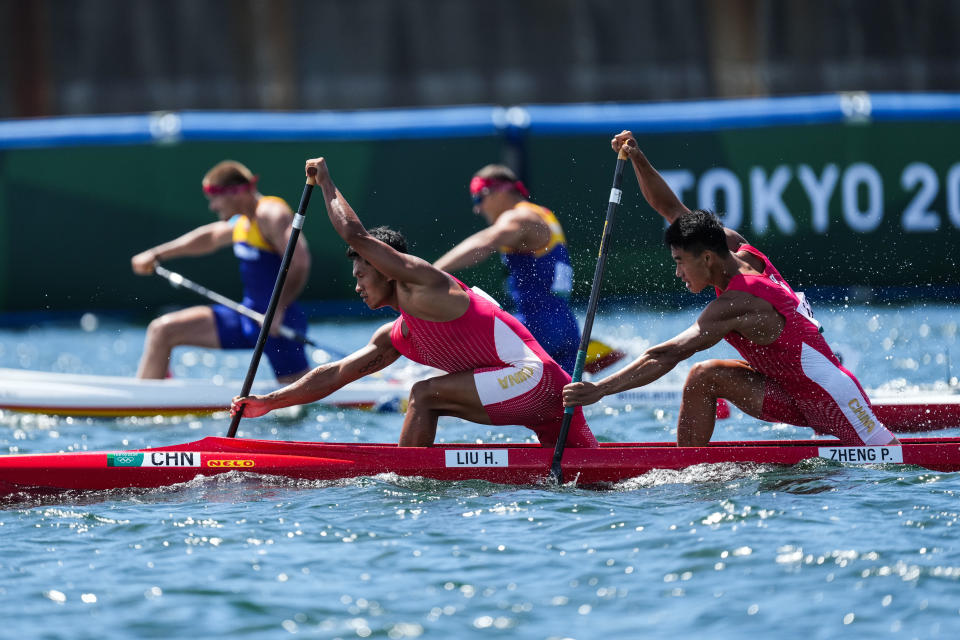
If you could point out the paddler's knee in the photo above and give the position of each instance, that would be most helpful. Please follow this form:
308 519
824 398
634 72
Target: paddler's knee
420 394
165 330
703 376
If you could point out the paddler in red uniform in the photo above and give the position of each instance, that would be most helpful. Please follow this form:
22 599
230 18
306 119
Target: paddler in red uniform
497 373
788 373
258 228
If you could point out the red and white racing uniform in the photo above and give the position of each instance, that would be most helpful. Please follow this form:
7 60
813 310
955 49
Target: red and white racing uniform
805 383
518 383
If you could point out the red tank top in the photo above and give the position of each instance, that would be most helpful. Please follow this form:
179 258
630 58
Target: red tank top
491 342
801 362
781 358
463 344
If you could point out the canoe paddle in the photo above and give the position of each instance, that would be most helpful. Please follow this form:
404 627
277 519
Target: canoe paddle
298 220
178 281
556 471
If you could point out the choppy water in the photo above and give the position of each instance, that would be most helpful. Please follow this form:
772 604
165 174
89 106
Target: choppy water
814 551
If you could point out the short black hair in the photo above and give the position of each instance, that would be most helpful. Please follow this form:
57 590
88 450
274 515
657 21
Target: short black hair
697 231
386 235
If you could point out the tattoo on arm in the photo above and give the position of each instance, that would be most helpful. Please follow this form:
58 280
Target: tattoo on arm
372 364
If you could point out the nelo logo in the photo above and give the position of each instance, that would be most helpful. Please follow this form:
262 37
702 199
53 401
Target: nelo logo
231 463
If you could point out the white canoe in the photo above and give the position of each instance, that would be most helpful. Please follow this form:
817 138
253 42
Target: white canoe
114 396
94 395
50 393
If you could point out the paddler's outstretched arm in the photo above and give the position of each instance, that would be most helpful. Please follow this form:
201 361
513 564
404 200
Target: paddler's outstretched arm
516 229
402 267
655 189
198 242
720 317
423 290
325 379
475 249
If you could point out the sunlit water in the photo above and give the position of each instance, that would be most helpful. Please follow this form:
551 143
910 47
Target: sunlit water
725 551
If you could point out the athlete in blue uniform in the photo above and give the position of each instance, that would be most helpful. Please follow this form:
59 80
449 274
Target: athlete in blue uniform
533 247
258 227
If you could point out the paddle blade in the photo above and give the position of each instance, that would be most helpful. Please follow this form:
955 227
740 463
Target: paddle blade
600 356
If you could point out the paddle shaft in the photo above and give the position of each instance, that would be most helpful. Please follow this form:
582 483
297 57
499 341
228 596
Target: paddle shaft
177 280
298 220
615 195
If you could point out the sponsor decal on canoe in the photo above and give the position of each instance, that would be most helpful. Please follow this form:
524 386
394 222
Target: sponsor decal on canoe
155 459
231 463
124 459
476 457
862 455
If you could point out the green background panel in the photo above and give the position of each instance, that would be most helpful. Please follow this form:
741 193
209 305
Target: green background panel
885 257
72 218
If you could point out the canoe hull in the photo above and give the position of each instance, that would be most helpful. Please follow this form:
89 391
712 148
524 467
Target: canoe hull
914 413
504 464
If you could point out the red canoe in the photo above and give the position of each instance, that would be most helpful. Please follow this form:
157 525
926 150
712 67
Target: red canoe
916 412
507 464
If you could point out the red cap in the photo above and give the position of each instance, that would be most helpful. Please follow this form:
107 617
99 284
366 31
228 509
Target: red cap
216 190
478 184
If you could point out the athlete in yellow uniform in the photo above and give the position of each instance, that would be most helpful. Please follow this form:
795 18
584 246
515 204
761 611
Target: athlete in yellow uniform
258 227
533 247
